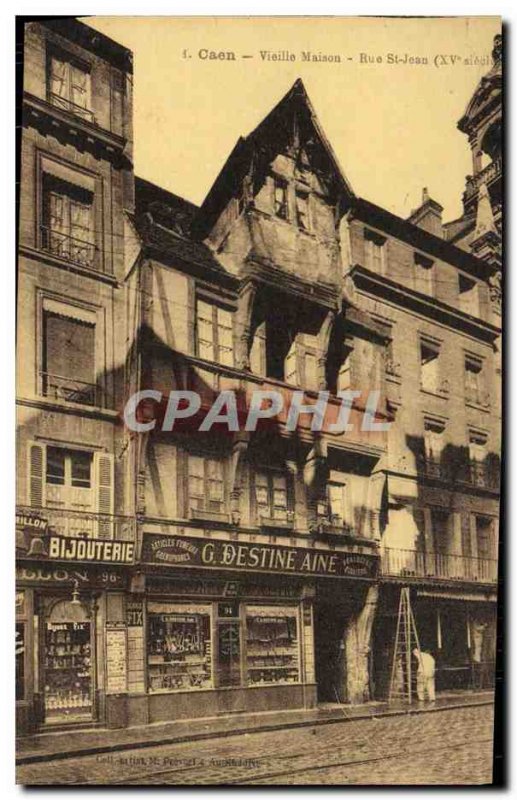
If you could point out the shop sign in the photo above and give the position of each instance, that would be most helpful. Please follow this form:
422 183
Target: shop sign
31 522
115 660
64 548
134 613
176 551
55 576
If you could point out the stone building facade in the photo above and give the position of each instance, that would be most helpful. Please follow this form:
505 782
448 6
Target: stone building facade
173 573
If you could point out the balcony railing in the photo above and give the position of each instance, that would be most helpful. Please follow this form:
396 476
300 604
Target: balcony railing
487 175
481 474
65 246
73 108
441 566
81 524
70 389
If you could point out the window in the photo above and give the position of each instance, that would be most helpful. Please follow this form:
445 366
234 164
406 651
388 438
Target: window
205 485
337 501
302 210
214 333
179 651
67 223
272 648
68 357
375 251
66 479
474 389
429 367
424 274
484 537
271 496
440 530
469 296
433 445
280 198
70 87
477 456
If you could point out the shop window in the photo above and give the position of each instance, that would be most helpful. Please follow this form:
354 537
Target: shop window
214 330
68 664
68 357
375 251
272 497
20 660
429 366
205 485
280 198
179 651
272 645
67 229
302 210
469 295
69 86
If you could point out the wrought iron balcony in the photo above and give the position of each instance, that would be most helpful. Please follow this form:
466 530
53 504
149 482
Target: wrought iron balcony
440 566
70 389
478 473
68 247
74 524
73 108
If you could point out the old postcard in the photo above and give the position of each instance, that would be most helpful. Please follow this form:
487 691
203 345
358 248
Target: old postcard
258 400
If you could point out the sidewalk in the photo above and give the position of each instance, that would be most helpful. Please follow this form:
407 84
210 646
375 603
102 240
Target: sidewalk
66 744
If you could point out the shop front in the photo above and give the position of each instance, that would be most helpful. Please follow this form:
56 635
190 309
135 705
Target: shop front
62 604
221 627
459 630
457 627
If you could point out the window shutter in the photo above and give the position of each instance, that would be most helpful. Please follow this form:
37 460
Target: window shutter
37 474
104 492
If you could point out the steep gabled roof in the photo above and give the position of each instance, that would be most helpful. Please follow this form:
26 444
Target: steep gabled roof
295 108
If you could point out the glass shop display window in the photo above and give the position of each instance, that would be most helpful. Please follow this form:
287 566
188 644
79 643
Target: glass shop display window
179 647
272 645
68 670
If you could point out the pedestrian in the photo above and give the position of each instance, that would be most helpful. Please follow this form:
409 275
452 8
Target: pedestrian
425 675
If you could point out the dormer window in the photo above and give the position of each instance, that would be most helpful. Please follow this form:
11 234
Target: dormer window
280 196
69 86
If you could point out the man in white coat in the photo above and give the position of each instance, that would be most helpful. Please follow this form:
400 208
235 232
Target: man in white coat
425 675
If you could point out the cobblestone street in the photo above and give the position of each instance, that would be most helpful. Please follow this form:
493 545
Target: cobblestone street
443 747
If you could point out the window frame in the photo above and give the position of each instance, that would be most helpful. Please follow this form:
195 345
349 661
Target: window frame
203 512
372 240
73 63
270 474
215 327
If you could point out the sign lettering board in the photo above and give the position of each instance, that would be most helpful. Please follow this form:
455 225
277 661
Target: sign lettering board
186 551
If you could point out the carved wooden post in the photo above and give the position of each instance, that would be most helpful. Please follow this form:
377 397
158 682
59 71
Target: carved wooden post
240 447
324 341
243 326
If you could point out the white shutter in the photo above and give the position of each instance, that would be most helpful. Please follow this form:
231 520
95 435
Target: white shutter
104 480
37 468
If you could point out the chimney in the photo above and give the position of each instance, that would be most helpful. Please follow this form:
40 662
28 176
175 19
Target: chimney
428 215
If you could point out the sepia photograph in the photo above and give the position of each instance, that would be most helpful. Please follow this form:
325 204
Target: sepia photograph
258 400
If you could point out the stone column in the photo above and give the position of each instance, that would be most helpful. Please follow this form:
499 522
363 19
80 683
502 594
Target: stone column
357 640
